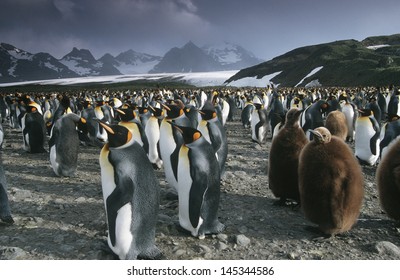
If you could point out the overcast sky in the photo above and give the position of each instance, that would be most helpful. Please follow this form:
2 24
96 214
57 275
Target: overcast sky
265 27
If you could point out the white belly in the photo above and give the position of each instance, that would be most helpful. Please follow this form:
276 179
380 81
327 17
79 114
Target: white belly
184 185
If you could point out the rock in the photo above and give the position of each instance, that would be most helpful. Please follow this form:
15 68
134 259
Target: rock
221 246
204 248
242 240
12 253
222 237
80 199
387 248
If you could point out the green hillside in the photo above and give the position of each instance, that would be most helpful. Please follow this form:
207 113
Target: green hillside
344 63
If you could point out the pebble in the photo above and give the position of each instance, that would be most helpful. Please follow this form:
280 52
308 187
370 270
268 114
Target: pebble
387 248
242 240
80 199
221 246
222 237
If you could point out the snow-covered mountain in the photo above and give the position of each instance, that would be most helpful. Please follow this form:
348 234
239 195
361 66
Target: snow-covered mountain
131 62
83 63
191 58
231 56
17 65
20 65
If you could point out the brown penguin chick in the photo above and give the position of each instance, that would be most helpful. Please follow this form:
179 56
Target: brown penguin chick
284 156
388 181
336 124
331 183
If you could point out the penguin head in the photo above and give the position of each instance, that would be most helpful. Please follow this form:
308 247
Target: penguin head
321 135
126 114
189 134
366 112
118 135
293 116
173 111
157 112
143 110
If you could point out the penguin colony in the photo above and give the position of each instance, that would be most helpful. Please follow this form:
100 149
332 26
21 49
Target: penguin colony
184 135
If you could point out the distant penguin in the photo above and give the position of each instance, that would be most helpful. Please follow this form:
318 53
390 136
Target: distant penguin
33 130
351 114
213 131
198 185
336 124
259 124
390 132
367 142
152 131
388 181
245 115
393 107
283 158
374 107
5 210
89 115
131 195
312 116
331 183
276 113
128 119
171 141
1 136
64 144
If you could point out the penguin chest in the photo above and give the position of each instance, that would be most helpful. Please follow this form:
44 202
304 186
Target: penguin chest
123 219
203 128
255 119
363 144
185 183
53 159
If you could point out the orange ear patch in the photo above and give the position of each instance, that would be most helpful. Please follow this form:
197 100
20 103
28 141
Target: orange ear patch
83 120
196 136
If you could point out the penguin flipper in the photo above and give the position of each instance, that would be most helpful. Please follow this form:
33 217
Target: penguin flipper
196 196
115 201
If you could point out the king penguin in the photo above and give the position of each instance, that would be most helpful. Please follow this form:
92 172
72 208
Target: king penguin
128 119
64 144
331 183
336 124
390 132
213 131
171 141
198 185
131 195
283 158
259 124
5 210
367 142
152 131
33 129
388 181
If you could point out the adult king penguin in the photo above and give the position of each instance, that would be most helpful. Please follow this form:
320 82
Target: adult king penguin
131 195
331 183
33 129
388 181
367 142
171 141
214 132
128 119
64 144
198 185
283 158
5 211
259 124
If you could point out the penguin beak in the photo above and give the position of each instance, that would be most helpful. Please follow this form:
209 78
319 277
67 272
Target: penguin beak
316 133
165 106
106 127
120 111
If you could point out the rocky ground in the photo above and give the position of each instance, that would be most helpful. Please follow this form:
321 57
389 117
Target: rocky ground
63 218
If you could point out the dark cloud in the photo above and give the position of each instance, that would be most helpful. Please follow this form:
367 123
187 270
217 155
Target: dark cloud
266 27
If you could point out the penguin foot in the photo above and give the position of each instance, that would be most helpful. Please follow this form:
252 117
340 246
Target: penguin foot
281 202
153 254
8 220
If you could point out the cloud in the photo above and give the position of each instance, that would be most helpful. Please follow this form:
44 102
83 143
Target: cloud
66 7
